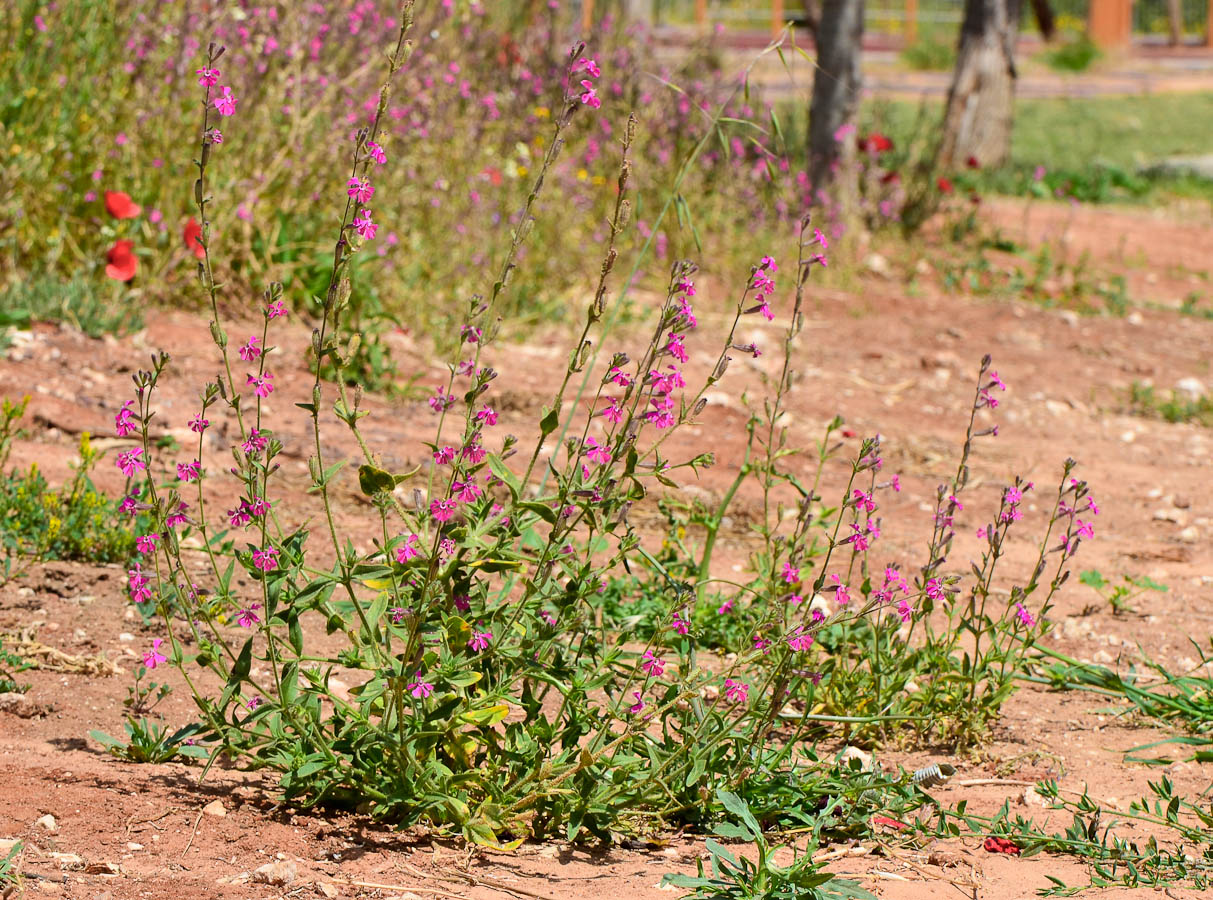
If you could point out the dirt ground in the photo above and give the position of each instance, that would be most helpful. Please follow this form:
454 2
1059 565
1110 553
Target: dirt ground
901 365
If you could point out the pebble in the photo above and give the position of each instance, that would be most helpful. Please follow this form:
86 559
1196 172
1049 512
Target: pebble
126 637
47 823
276 873
133 847
1191 388
866 764
1190 535
215 808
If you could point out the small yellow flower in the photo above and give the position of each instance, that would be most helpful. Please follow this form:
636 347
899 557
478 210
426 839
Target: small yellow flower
582 174
542 112
522 170
598 180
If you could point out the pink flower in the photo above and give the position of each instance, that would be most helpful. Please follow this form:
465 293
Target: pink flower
137 585
130 463
613 411
589 96
207 77
225 104
146 543
360 189
1025 618
256 701
799 640
596 452
255 442
250 351
262 386
843 594
275 309
480 640
463 602
637 707
442 510
473 453
397 614
247 618
863 500
675 348
653 665
216 136
173 519
904 610
467 491
791 574
487 415
364 226
153 658
198 424
408 550
376 153
1085 529
588 65
895 483
419 688
266 559
736 691
124 423
258 507
190 471
680 625
441 401
724 608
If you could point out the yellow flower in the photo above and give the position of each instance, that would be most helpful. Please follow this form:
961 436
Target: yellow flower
522 170
582 174
598 180
542 112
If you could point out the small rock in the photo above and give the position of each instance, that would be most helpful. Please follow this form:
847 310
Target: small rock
1192 389
1189 535
866 764
1134 318
327 889
133 847
126 637
1069 317
1102 656
1029 797
1169 515
68 860
1129 437
276 873
215 808
47 823
17 704
877 265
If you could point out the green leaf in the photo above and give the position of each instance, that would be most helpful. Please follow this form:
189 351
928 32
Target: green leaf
486 715
549 423
374 481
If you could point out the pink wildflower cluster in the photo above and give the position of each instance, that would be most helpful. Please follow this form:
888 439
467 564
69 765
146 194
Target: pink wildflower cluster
589 93
763 286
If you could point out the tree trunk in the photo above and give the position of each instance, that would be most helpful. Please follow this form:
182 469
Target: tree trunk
812 16
981 101
836 84
1175 12
1045 20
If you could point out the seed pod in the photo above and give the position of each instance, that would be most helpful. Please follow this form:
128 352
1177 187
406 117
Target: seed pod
198 191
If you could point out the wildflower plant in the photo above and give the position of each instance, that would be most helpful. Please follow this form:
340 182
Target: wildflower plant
489 696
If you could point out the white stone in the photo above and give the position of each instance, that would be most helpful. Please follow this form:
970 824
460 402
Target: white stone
47 823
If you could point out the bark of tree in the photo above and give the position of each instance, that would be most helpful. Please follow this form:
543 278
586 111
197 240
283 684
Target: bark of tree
980 110
1175 12
1045 20
812 17
836 84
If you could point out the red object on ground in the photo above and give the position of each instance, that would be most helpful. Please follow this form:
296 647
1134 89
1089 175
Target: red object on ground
121 262
1001 845
192 232
944 185
888 823
120 205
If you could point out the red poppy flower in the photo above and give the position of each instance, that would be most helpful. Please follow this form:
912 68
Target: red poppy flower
120 205
121 261
192 232
875 143
1001 845
972 163
493 175
944 185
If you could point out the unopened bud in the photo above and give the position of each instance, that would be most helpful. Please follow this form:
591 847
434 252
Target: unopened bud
198 191
218 335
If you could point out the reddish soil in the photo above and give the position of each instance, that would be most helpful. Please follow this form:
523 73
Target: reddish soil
887 362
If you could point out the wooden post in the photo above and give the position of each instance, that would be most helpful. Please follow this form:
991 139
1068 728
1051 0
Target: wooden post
912 21
776 17
587 18
701 13
1110 24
